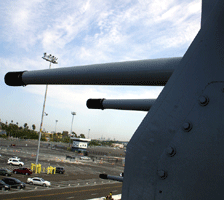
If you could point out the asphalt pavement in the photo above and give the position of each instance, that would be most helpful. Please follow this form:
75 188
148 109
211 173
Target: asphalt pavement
80 181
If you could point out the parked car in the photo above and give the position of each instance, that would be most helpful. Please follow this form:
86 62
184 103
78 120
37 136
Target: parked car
60 170
14 182
12 161
38 181
4 186
5 172
85 158
15 158
25 171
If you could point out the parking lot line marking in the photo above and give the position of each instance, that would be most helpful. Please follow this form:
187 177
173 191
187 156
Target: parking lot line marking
27 197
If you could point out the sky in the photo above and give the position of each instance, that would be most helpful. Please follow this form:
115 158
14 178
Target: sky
84 32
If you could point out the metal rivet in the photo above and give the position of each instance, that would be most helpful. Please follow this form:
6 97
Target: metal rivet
171 151
187 126
162 174
203 100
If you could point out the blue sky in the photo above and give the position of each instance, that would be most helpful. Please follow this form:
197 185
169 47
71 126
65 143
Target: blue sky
87 32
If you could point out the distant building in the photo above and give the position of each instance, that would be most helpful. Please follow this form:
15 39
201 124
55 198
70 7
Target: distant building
79 144
121 146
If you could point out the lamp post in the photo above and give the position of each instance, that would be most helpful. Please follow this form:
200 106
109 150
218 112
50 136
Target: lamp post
73 113
56 121
88 133
51 59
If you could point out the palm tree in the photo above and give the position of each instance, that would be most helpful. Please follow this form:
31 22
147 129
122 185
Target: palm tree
25 125
33 127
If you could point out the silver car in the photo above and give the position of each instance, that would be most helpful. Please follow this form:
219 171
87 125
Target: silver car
12 161
38 181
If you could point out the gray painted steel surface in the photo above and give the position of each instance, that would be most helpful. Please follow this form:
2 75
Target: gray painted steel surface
178 150
207 7
121 73
121 104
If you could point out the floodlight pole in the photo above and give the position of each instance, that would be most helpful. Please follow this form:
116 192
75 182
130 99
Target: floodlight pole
51 59
88 133
73 113
56 121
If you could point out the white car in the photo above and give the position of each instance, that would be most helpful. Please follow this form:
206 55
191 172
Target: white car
15 158
85 158
12 161
38 181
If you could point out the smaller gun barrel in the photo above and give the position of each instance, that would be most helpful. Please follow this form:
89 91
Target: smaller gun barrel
121 104
115 178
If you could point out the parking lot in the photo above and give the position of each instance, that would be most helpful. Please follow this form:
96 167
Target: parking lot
78 173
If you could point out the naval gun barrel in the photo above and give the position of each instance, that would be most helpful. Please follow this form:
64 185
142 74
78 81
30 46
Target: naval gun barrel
143 72
121 104
115 178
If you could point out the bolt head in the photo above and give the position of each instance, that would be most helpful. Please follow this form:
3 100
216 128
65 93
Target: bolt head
187 126
171 151
162 174
203 100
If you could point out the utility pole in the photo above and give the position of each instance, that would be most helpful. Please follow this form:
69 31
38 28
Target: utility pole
73 113
51 59
88 133
56 121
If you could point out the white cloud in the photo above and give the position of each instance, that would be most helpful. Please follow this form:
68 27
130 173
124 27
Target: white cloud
89 32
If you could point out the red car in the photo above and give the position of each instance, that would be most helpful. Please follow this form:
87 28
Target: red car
25 171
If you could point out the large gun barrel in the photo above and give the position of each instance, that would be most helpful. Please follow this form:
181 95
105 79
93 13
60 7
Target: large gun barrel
142 72
121 104
115 178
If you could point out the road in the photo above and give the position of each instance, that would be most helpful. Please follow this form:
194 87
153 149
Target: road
76 193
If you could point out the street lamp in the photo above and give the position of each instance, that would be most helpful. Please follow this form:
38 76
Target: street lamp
51 59
88 133
73 113
56 121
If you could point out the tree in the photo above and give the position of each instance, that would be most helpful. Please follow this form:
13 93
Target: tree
43 137
75 135
64 133
12 130
66 139
82 136
25 126
33 127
